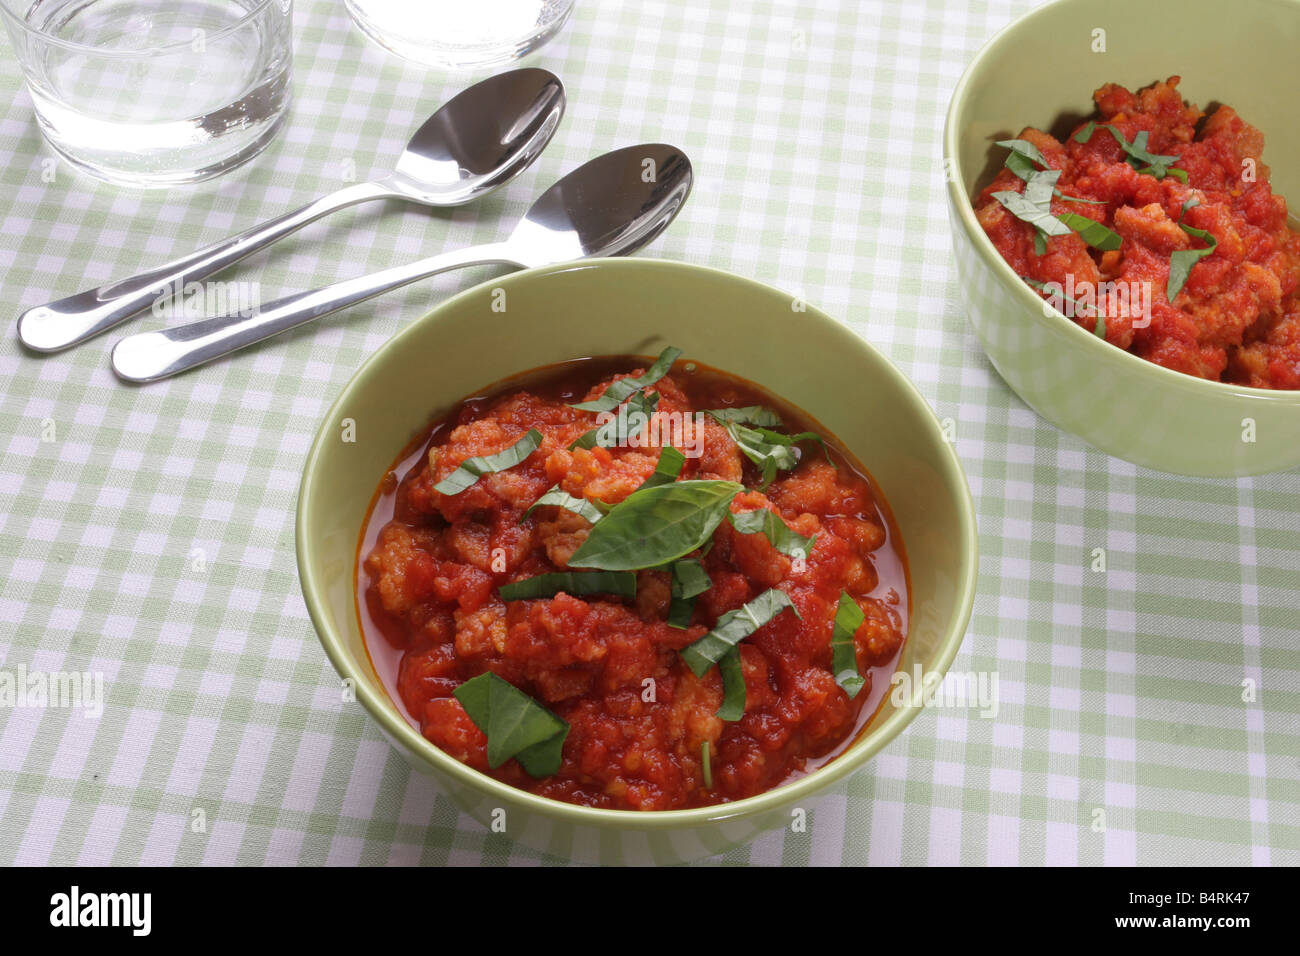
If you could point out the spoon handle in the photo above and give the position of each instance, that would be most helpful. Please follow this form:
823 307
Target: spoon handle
149 356
69 321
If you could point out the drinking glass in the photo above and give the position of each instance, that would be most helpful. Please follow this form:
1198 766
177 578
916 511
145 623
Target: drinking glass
154 92
460 34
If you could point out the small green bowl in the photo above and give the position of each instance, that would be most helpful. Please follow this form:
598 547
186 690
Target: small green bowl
636 306
1041 71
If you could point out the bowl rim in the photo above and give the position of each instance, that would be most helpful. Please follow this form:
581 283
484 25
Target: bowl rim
1095 349
382 710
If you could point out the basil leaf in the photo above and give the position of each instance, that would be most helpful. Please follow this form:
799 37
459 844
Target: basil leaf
773 527
620 391
666 471
770 450
1023 149
706 764
1026 211
748 415
653 526
1022 159
844 651
562 499
1136 153
1182 260
515 724
619 430
471 469
1091 231
690 580
619 583
732 628
733 686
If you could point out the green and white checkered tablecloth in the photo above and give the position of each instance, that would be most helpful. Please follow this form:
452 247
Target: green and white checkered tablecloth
146 533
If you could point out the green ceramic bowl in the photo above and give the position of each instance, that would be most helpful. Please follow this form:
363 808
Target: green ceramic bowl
1041 71
636 306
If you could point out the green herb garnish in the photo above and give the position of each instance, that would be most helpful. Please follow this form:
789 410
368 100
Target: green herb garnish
654 526
515 724
844 650
706 764
620 429
770 450
1136 153
733 686
562 499
748 415
666 471
1024 160
472 469
1091 231
690 580
620 391
733 627
773 527
619 583
1182 260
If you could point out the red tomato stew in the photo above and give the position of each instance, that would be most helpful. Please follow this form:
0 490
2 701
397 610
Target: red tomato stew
680 593
1154 226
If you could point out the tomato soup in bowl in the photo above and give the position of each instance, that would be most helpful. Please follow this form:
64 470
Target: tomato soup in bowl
562 685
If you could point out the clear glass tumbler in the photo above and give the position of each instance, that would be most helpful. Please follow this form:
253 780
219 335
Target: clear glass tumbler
154 92
460 34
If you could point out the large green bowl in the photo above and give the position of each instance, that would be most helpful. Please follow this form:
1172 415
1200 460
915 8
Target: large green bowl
1041 71
622 306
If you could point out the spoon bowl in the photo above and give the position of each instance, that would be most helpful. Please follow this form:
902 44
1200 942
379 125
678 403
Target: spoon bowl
480 139
609 206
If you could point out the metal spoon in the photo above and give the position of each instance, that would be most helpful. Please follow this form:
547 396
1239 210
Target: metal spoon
611 205
478 140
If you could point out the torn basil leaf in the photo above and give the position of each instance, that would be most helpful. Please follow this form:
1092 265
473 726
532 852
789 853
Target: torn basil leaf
748 415
706 765
631 419
515 724
562 499
733 627
690 580
1024 160
666 471
1136 153
770 450
844 650
577 583
619 391
773 527
471 469
733 686
1182 260
653 526
1091 231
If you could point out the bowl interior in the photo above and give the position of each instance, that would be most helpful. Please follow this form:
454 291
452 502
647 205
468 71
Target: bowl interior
1044 70
638 306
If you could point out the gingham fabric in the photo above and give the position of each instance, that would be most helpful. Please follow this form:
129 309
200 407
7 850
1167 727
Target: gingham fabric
1148 713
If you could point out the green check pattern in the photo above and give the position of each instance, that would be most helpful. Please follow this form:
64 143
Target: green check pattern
147 533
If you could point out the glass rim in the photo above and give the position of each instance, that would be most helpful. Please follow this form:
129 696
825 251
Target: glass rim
26 28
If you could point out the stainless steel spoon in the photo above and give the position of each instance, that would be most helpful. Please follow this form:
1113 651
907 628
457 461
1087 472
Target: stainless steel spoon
611 205
477 141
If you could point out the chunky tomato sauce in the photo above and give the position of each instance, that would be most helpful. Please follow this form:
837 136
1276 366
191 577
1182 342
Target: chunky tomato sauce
1237 318
430 566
